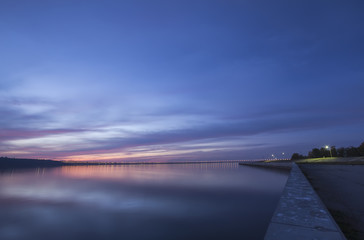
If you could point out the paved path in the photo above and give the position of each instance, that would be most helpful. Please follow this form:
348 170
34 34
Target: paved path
341 188
301 214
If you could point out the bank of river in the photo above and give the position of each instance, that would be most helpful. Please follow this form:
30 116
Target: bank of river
341 188
338 186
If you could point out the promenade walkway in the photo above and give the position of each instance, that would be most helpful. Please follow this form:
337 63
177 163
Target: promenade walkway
341 188
300 214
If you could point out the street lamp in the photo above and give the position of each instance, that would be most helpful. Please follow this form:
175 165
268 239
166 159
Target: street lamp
327 147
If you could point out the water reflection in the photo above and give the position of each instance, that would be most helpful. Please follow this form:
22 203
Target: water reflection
179 201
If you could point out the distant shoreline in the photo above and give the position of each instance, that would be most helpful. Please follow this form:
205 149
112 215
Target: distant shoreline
6 163
15 163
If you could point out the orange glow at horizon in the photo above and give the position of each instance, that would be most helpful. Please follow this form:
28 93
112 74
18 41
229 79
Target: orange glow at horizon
119 156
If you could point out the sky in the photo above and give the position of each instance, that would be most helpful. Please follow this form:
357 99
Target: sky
179 80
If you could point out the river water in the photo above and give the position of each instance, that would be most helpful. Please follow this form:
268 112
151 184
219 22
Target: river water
161 201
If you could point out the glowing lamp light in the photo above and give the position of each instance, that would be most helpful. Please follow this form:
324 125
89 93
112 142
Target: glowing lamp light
327 147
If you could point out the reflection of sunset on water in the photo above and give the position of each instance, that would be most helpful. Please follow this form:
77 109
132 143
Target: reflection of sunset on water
92 201
196 175
132 171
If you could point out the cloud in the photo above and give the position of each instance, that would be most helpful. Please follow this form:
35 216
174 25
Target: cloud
183 78
12 134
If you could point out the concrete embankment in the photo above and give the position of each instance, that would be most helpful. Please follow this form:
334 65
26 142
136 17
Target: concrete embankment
280 165
300 213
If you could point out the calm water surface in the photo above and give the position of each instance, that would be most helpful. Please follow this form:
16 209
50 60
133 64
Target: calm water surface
176 201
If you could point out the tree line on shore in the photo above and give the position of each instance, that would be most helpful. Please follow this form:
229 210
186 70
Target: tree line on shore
332 152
